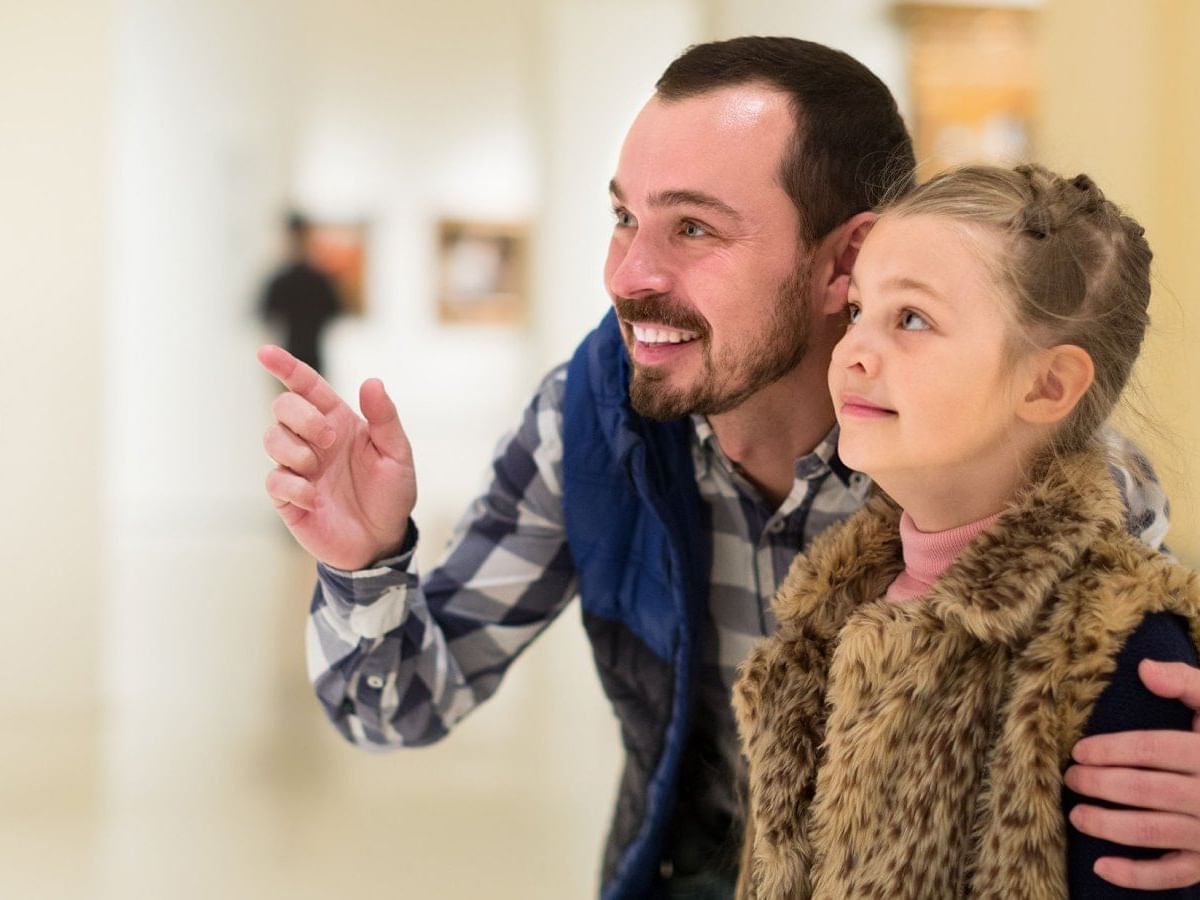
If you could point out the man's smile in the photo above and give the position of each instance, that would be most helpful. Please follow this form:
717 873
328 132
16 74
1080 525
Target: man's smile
655 344
649 333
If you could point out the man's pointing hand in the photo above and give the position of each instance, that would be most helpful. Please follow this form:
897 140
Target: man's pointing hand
343 484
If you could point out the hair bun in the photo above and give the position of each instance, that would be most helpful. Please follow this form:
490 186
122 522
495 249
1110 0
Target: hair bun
1094 199
1084 183
1036 220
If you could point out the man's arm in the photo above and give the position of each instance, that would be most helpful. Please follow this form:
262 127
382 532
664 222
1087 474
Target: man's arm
397 660
1126 704
1155 773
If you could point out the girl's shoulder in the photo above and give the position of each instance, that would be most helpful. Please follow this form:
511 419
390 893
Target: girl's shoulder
1129 571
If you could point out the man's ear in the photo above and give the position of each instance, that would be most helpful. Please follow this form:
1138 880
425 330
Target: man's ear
834 260
1060 378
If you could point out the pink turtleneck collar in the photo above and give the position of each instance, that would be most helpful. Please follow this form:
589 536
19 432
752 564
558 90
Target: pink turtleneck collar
928 554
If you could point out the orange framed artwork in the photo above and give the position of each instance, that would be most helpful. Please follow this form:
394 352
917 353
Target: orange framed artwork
972 76
482 272
340 250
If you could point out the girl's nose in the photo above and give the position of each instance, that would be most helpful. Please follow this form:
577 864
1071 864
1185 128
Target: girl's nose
856 352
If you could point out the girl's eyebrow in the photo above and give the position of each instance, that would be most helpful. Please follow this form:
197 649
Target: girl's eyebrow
906 283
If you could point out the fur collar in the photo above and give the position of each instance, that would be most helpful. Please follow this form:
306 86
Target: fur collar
996 589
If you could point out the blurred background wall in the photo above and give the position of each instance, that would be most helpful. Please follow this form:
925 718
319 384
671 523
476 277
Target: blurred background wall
1120 89
161 739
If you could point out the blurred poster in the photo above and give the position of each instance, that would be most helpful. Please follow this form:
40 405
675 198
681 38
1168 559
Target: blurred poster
482 272
340 251
972 75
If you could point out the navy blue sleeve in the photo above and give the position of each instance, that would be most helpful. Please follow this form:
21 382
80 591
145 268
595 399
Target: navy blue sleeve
1126 705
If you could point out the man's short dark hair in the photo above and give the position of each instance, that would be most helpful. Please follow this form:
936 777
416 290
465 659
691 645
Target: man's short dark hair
850 147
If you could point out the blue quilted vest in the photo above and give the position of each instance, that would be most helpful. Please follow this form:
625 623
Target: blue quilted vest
639 536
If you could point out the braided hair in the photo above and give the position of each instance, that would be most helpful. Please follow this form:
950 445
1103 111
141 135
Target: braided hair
1075 266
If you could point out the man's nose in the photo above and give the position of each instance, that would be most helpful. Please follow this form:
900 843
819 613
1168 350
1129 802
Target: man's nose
642 271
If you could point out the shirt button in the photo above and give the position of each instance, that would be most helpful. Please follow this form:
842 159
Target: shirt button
776 527
375 681
857 479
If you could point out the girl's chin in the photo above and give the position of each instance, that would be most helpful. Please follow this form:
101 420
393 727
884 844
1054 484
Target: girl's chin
876 463
860 455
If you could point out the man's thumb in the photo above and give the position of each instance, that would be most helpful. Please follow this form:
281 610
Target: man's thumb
383 424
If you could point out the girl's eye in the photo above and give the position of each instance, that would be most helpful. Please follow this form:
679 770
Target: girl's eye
853 311
624 218
913 321
692 229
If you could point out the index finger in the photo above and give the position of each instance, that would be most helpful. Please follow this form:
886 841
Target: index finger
1163 751
299 377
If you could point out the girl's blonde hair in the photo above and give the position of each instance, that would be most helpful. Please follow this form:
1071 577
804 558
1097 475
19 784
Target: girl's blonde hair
1076 267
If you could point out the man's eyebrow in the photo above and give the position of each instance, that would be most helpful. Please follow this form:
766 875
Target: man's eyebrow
682 198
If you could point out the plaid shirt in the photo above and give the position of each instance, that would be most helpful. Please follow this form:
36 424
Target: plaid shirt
397 661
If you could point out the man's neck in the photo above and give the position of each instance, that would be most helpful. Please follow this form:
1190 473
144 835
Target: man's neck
781 423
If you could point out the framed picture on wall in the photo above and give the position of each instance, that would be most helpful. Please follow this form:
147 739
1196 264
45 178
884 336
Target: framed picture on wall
482 272
972 74
340 250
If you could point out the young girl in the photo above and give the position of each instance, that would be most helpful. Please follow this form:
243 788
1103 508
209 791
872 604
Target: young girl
938 655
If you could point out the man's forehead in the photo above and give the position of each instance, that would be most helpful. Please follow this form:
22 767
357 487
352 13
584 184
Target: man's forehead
707 142
733 110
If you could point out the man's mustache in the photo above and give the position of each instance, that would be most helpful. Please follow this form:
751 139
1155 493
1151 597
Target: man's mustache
661 310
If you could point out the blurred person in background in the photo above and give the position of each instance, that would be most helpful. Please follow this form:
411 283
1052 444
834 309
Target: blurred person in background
300 297
667 475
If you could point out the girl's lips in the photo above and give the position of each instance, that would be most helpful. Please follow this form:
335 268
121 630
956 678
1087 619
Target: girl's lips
862 408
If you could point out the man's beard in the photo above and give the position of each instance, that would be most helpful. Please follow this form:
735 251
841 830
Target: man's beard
739 372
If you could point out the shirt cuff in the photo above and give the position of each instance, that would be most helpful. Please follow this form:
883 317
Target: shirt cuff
388 565
347 589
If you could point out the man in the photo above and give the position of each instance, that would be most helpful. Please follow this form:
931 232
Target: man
301 297
666 476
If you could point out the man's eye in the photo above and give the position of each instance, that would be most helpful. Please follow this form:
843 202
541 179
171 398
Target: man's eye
624 218
913 321
853 311
692 229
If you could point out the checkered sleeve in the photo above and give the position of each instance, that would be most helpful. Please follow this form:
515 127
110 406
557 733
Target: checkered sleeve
397 660
1146 507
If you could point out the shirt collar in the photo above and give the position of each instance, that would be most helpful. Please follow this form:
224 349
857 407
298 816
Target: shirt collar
814 465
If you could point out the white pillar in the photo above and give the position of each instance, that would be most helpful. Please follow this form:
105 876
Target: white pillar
55 84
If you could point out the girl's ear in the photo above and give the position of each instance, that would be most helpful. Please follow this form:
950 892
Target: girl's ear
1061 376
834 260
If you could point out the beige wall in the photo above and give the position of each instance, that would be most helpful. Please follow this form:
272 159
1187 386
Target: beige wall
1122 102
54 90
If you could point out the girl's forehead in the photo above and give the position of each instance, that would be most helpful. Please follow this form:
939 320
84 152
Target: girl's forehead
938 264
937 249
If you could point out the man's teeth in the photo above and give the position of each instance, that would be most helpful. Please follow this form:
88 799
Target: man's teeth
662 335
